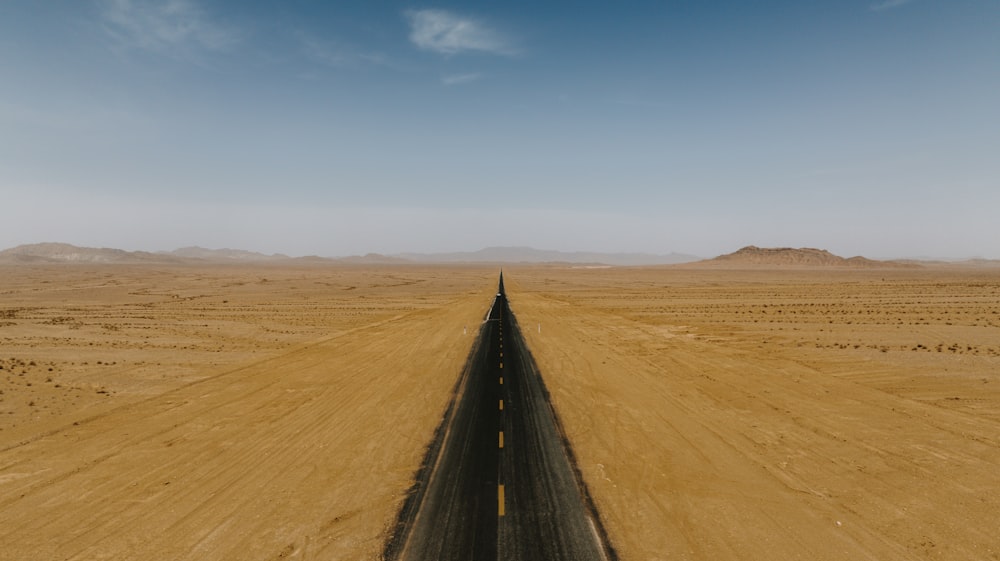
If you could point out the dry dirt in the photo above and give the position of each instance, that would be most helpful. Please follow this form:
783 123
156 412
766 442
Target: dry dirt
221 413
183 412
830 414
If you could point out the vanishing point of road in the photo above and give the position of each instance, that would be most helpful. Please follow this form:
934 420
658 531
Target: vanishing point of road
499 480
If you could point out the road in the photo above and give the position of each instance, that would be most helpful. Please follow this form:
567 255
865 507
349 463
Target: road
499 481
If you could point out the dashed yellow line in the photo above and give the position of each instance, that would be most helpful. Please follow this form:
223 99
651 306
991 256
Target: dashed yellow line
500 500
501 380
501 439
501 405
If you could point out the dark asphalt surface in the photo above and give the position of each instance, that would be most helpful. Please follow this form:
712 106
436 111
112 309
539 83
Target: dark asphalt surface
485 496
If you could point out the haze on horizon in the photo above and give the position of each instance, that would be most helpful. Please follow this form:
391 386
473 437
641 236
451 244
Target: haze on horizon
867 127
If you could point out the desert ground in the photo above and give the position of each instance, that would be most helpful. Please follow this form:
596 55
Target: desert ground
269 412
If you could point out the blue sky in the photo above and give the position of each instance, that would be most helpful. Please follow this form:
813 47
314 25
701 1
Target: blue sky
305 127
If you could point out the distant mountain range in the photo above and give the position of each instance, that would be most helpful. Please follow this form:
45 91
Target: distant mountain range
749 256
195 252
66 253
531 255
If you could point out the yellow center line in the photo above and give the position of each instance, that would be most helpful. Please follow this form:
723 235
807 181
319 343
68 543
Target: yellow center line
500 501
501 439
501 380
501 405
501 366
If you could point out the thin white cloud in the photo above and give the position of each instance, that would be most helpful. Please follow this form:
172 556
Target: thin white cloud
335 54
174 27
458 79
447 33
888 5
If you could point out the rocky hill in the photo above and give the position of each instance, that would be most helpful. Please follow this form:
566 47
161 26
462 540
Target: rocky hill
754 256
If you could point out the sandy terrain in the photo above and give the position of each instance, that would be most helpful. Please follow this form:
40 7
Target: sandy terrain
228 413
778 415
256 412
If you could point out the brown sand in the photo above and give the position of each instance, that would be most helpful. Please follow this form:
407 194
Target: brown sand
778 415
228 413
267 412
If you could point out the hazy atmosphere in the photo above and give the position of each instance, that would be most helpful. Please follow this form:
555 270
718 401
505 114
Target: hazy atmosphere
862 127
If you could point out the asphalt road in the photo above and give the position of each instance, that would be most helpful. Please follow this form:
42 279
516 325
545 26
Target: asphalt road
499 481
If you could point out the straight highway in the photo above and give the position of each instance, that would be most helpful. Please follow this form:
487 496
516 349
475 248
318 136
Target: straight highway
499 481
